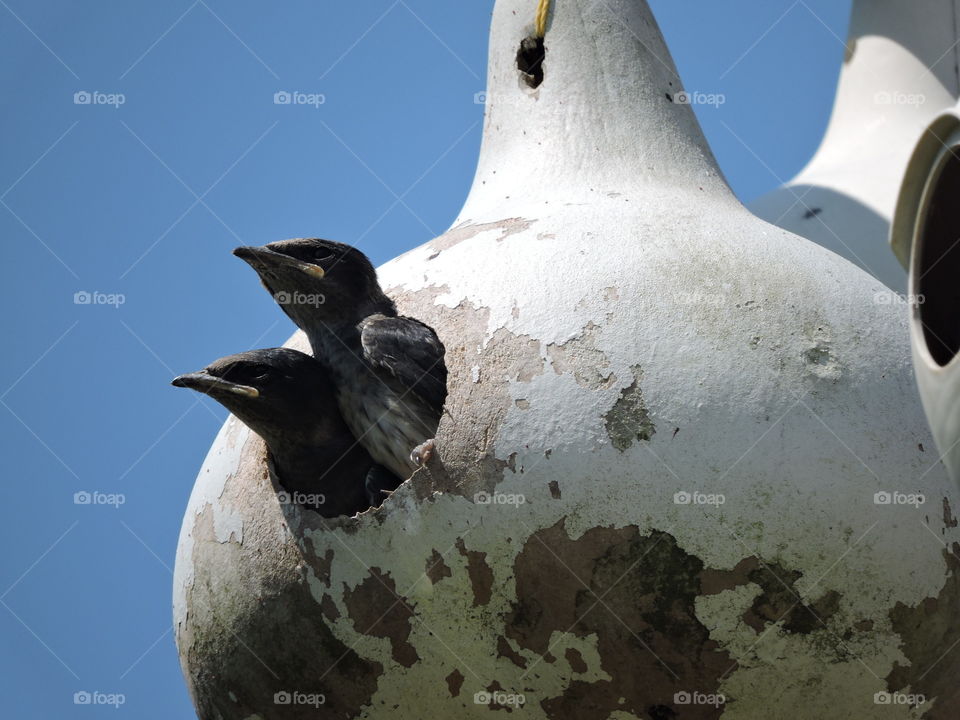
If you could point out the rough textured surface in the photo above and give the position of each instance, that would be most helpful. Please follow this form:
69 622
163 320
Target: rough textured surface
282 632
436 568
465 231
635 594
927 629
375 608
628 419
580 356
481 577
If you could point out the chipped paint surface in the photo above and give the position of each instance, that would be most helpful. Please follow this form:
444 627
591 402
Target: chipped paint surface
635 594
465 231
221 465
798 574
559 548
628 420
926 629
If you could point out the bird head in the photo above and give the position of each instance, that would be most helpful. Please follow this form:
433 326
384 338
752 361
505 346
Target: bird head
318 280
280 394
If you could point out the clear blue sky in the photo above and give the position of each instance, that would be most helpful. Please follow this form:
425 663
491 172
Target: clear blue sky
146 199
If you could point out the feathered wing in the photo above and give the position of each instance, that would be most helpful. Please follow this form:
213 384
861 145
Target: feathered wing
409 351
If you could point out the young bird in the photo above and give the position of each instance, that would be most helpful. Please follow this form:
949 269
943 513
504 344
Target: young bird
285 397
388 371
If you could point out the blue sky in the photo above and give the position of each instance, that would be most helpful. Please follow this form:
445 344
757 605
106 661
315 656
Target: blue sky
145 200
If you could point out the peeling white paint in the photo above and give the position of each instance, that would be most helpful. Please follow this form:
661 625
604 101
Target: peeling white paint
218 467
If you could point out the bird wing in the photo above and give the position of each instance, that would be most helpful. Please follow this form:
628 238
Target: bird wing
409 351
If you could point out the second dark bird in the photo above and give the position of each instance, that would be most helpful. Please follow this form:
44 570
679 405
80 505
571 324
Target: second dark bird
388 370
285 397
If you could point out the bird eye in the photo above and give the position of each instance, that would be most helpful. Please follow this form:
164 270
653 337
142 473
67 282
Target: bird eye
321 255
259 375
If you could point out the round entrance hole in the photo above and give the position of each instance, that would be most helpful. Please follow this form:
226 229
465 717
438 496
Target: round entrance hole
936 280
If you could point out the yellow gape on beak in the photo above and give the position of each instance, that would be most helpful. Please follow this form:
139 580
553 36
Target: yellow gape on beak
314 270
244 390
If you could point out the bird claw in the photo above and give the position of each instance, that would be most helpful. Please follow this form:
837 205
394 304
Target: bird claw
423 453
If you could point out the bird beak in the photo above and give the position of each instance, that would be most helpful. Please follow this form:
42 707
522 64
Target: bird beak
211 385
264 258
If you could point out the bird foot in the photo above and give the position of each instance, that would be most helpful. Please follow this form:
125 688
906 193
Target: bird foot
380 484
423 453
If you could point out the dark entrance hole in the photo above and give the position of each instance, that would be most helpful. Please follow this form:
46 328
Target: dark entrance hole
530 60
937 267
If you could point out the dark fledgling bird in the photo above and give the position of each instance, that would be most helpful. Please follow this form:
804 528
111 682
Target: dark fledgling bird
388 370
285 397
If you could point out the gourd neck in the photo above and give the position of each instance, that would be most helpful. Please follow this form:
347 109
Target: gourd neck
604 118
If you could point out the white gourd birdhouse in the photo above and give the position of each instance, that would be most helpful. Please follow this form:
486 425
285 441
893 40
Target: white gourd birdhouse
683 469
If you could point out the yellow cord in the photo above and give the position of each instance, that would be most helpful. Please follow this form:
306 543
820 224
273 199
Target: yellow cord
541 22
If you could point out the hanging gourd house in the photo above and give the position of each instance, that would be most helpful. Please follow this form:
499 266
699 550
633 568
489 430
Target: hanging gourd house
682 471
